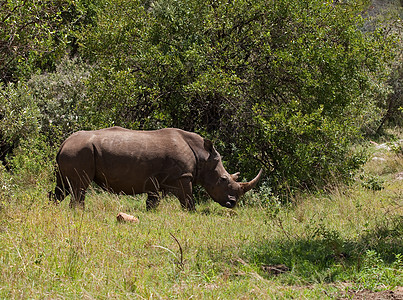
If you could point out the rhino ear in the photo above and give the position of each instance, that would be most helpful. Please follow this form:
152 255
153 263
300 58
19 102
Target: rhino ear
208 146
213 156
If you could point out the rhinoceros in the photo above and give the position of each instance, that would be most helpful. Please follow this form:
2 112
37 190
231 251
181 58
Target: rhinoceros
124 161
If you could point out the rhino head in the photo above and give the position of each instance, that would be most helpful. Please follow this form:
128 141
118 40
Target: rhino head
219 184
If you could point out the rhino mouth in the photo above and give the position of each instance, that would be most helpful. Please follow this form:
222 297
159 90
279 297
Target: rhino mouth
231 202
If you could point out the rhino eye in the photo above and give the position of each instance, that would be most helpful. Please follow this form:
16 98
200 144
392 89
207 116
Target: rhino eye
223 179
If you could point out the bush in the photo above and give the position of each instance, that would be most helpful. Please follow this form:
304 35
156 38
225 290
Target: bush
19 116
288 85
386 19
32 37
32 162
283 84
26 152
58 96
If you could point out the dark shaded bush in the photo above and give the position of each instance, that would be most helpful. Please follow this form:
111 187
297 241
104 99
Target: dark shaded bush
287 85
19 115
283 84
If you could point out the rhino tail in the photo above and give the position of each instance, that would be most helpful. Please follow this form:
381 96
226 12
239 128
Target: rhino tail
60 191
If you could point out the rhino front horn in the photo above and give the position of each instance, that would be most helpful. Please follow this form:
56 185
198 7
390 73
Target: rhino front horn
247 186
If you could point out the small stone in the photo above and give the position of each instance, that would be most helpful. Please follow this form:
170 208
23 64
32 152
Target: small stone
399 176
122 217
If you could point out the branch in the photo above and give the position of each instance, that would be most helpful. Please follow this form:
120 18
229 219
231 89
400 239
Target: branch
12 11
179 261
181 264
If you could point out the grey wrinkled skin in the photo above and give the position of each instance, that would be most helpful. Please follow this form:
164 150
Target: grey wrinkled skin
156 162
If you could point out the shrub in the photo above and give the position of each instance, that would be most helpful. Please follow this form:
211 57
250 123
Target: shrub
32 162
26 152
58 96
283 84
32 37
19 116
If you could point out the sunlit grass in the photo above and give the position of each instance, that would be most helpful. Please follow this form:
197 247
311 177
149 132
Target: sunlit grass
349 237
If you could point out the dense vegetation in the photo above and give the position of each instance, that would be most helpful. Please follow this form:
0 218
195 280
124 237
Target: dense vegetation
345 243
287 85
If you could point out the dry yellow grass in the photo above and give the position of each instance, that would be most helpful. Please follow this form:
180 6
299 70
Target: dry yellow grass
347 239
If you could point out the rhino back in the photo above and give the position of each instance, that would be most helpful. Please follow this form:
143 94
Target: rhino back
132 162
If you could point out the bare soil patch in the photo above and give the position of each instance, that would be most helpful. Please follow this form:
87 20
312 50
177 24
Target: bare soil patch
396 294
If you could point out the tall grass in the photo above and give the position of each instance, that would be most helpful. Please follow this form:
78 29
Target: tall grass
323 245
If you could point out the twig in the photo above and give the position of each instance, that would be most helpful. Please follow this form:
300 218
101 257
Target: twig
181 252
179 261
253 273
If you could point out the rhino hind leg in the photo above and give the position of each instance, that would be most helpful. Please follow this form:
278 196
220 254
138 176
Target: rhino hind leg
61 190
78 188
70 187
153 200
60 194
77 197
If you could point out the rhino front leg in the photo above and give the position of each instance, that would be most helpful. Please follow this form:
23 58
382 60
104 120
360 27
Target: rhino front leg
184 194
153 200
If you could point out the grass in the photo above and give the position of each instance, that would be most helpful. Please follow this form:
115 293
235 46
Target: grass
327 244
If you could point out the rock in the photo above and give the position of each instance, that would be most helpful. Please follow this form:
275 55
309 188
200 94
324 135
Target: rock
387 146
378 159
122 217
399 176
275 269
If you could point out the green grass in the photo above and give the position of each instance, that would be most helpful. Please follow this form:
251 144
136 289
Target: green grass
347 239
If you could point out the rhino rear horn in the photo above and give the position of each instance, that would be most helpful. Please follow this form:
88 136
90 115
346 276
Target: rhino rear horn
235 176
247 186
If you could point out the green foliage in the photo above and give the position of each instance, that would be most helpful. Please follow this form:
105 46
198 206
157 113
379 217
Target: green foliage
375 273
305 150
19 113
34 118
397 147
6 186
285 84
371 182
32 36
59 96
32 162
387 20
20 128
